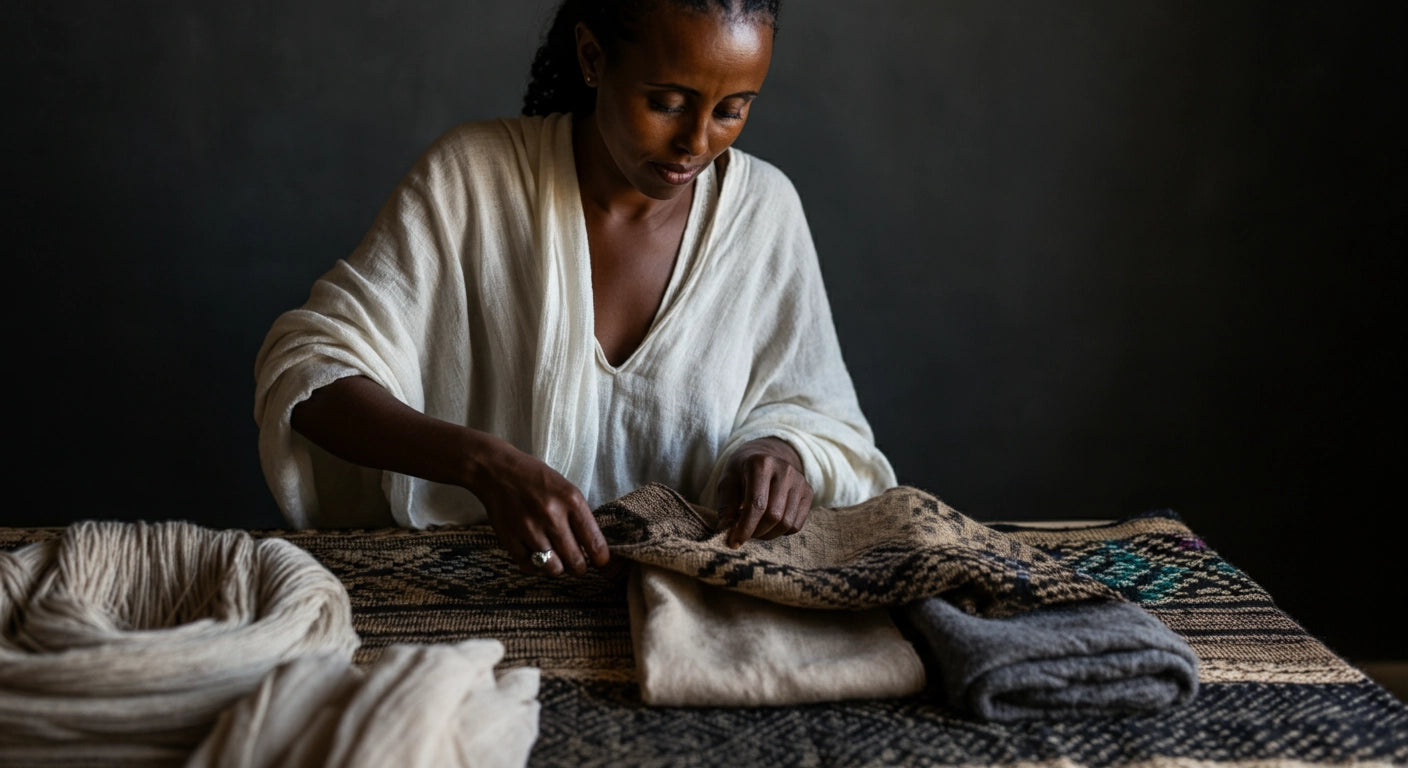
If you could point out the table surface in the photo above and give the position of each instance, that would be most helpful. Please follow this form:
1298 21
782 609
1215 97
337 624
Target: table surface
1270 692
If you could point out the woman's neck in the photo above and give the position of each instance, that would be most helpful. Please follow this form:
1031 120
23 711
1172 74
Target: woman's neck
603 187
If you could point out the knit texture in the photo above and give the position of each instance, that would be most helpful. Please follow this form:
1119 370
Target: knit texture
124 641
899 546
1086 660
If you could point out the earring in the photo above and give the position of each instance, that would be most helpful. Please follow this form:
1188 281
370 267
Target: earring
591 80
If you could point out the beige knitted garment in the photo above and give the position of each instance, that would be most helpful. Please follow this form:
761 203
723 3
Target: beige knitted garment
121 643
417 706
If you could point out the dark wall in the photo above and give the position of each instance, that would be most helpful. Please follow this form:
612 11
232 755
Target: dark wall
1086 258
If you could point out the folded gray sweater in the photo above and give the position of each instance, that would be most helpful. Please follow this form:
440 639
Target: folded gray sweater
1077 660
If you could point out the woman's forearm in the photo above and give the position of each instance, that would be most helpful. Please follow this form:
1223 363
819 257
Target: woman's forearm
532 508
359 421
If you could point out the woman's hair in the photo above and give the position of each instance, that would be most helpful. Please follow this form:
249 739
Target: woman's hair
556 83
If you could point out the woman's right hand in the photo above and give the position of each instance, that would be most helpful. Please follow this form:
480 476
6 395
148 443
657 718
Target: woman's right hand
530 505
533 508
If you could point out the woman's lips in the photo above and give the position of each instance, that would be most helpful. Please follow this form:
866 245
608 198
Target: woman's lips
676 174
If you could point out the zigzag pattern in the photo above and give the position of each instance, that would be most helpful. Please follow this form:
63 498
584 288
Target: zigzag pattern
595 724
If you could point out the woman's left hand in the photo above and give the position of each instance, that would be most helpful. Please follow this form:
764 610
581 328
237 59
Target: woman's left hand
762 492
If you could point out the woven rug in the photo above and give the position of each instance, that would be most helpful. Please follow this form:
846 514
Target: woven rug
1270 694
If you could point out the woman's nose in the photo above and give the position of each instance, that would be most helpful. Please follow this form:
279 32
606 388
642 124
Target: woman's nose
694 136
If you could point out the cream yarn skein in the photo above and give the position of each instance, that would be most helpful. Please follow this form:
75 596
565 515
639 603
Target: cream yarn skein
122 642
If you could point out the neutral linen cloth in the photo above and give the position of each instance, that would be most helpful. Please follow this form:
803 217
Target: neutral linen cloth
699 645
902 545
470 299
121 642
1083 660
417 706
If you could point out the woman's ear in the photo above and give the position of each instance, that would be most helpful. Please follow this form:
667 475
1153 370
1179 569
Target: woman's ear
589 55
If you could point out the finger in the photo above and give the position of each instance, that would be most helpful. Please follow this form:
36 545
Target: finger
512 530
795 510
589 535
516 551
774 521
553 565
804 506
536 541
755 505
569 552
564 532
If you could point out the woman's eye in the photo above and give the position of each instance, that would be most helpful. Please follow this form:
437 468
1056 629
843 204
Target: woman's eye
660 106
726 111
733 109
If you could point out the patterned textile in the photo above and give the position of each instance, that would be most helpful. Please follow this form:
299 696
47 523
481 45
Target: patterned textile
1270 694
900 546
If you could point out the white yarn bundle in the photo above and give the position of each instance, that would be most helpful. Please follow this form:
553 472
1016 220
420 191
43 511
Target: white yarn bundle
417 706
120 643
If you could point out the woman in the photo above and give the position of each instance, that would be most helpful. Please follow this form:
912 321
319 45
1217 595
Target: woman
553 310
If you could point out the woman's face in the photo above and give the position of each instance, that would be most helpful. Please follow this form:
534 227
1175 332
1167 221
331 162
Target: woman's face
672 100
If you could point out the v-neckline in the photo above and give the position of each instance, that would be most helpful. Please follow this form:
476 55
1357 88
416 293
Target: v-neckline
703 189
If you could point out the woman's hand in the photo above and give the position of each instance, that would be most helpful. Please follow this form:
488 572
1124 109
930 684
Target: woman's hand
762 492
531 506
534 509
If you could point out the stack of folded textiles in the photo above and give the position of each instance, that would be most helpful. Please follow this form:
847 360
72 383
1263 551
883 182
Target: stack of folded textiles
989 626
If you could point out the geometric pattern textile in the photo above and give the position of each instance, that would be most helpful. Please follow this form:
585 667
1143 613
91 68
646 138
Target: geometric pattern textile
897 547
1270 694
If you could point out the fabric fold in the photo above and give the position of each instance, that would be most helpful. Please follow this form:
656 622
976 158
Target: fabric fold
1090 659
417 706
902 545
1007 631
698 645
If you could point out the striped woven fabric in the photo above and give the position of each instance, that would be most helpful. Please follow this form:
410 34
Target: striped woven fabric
1270 694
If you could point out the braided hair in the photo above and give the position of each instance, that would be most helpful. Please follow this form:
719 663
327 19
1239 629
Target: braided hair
556 84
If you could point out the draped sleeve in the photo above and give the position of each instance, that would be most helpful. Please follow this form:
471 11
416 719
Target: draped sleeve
398 310
798 386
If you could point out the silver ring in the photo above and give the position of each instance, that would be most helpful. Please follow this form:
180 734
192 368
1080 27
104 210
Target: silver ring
541 559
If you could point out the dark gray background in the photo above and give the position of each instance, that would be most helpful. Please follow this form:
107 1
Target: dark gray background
1086 258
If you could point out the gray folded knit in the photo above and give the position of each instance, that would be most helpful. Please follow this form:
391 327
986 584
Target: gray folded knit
1065 661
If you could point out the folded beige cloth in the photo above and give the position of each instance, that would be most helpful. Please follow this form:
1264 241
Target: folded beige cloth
698 645
417 706
121 643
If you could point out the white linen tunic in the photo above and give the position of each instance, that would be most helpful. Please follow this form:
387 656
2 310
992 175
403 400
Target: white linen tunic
470 299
